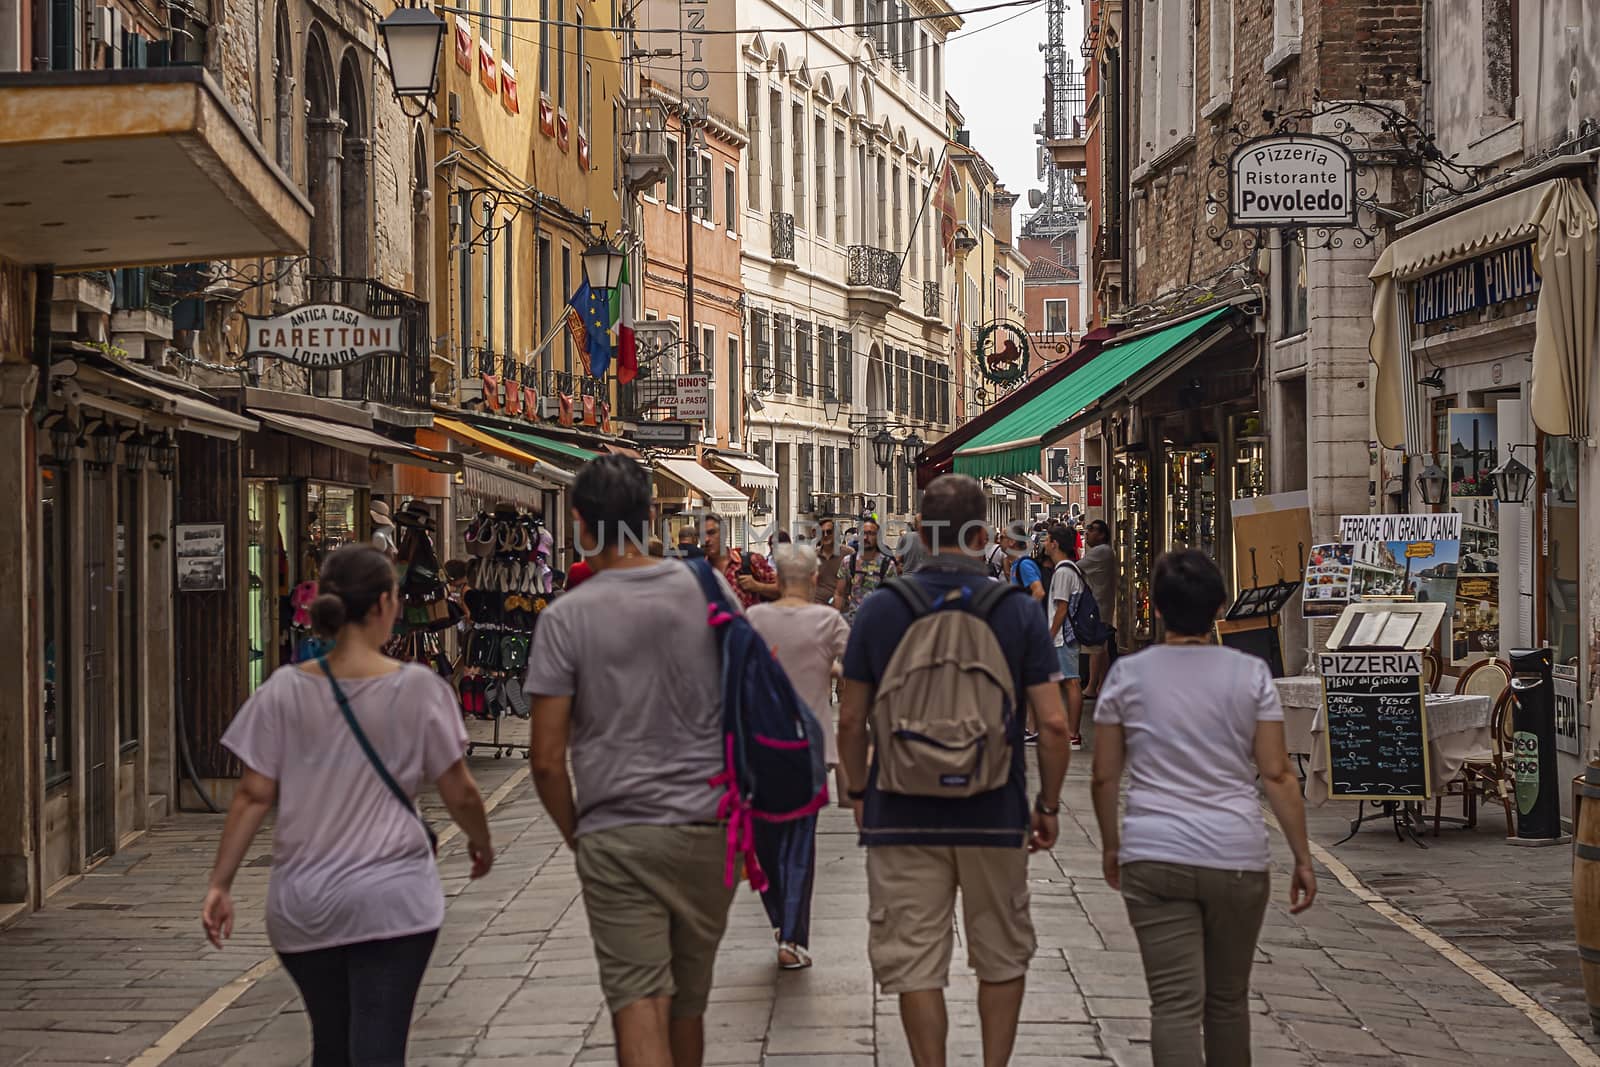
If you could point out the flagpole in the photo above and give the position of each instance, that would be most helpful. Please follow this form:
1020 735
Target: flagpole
560 324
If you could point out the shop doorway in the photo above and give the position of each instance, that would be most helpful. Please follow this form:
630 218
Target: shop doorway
783 487
99 701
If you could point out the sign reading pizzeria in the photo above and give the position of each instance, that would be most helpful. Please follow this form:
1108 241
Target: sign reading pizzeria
322 336
1289 180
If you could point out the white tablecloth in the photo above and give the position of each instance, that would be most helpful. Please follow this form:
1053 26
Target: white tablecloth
1301 696
1457 727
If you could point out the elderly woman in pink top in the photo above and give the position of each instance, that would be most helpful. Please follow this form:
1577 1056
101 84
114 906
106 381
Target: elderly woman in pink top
342 744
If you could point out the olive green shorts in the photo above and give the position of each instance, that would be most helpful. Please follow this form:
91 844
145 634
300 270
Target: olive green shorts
657 908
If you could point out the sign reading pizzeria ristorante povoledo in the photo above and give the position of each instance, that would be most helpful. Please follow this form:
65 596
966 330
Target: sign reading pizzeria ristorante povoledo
322 336
1291 180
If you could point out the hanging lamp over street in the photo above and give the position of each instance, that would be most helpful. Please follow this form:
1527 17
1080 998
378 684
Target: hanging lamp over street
412 37
602 264
1432 483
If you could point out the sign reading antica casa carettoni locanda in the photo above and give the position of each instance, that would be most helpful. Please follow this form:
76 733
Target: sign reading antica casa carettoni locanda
1289 179
322 336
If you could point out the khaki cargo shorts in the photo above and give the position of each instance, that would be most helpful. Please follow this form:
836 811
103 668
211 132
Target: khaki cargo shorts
911 901
657 908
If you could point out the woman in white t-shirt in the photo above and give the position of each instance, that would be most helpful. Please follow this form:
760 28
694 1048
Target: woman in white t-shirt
1194 724
354 904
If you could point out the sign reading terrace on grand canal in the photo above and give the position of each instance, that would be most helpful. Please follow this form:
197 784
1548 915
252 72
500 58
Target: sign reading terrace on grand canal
1289 180
322 336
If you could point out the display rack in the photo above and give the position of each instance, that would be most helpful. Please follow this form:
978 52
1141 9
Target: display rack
1133 538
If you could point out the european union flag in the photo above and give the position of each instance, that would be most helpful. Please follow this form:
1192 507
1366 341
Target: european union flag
594 309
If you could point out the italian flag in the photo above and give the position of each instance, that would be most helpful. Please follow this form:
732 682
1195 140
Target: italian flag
627 351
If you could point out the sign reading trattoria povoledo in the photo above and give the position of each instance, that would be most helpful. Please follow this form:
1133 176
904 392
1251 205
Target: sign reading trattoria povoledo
1375 725
1290 179
322 336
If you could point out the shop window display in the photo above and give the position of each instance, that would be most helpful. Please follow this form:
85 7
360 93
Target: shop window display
1192 499
128 629
258 619
1133 539
1249 458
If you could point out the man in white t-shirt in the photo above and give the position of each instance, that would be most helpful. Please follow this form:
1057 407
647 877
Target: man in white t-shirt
1066 583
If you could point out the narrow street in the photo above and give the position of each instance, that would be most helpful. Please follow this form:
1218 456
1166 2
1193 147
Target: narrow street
116 970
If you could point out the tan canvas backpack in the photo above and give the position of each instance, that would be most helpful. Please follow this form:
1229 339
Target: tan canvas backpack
942 715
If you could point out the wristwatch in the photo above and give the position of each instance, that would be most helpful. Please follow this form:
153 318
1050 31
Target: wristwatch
1039 806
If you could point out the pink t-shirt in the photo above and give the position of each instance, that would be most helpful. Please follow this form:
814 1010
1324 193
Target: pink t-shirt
349 862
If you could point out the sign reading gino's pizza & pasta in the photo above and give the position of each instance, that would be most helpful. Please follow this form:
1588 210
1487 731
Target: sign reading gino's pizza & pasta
322 336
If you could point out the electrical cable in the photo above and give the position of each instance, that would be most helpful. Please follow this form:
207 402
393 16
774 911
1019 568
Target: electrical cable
491 16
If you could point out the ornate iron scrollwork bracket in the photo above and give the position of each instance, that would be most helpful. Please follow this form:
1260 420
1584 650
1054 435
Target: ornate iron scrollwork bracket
1395 157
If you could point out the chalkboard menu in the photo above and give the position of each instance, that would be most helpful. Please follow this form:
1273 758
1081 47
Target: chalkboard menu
1375 725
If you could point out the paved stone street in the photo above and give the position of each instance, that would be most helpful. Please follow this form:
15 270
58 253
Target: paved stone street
117 960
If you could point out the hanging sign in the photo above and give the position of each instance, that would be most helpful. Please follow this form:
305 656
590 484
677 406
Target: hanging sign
692 400
1291 180
322 336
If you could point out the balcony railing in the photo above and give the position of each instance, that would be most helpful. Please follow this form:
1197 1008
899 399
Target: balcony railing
1063 111
404 380
783 236
932 304
570 383
645 398
1108 243
877 268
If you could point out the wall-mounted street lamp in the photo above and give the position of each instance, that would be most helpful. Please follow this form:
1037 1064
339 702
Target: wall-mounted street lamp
412 37
830 404
883 444
602 264
65 438
135 450
1432 483
912 447
1512 479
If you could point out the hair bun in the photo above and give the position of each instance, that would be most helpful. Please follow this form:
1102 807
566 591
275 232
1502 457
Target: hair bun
327 613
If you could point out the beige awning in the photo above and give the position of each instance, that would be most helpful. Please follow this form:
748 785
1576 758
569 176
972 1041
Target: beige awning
716 492
360 441
186 412
1041 488
1561 219
751 473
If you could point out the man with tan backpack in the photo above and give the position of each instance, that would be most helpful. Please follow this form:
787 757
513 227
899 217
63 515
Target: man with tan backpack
944 665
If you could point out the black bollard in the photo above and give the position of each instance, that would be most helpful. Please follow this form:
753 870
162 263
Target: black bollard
1534 744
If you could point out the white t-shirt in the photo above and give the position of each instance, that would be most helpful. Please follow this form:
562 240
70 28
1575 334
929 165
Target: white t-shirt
1064 585
1189 714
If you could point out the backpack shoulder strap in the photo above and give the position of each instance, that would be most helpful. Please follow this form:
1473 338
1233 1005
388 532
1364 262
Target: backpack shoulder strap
990 596
911 592
709 586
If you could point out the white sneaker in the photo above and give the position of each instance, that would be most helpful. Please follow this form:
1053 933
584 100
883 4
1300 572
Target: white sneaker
1077 742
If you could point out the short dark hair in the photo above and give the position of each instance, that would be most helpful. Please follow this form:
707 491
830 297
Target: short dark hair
1065 539
952 506
455 569
1188 591
1099 526
712 516
612 497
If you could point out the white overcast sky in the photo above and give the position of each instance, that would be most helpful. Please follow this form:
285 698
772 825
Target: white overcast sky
997 77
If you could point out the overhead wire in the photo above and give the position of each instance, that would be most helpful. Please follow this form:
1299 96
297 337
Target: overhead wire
708 32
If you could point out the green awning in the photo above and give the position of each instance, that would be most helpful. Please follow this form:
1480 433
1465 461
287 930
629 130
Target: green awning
1015 444
533 440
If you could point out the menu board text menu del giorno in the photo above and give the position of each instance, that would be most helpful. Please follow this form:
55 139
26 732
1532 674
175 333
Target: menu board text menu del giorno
1375 725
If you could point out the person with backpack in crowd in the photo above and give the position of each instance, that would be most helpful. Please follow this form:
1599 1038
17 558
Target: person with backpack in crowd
808 638
1199 729
640 718
1024 571
863 571
942 663
1066 586
1099 568
341 744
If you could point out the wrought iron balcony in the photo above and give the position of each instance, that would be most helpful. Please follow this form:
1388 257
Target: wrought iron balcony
404 380
570 383
645 398
875 268
932 302
783 236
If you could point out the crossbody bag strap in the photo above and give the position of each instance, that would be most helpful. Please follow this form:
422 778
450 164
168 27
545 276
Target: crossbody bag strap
372 753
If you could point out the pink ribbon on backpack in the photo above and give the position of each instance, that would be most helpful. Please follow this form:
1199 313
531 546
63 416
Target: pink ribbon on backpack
741 827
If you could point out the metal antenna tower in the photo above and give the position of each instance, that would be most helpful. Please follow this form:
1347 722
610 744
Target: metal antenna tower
1059 207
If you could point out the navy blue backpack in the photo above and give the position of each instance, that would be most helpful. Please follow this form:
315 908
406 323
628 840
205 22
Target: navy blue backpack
774 760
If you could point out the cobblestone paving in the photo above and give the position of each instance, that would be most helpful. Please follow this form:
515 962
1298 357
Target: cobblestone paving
116 960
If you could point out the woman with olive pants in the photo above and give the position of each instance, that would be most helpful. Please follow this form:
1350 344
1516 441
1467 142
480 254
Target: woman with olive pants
1194 724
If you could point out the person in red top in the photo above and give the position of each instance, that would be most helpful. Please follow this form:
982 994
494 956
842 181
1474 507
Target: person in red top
759 583
577 574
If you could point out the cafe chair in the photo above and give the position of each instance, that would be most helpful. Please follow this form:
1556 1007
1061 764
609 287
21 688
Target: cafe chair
1486 678
1486 773
1432 669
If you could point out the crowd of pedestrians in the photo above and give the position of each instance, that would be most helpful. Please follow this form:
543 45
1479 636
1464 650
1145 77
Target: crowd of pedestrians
932 666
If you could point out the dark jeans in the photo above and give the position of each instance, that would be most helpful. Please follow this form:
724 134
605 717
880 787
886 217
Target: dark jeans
787 852
359 998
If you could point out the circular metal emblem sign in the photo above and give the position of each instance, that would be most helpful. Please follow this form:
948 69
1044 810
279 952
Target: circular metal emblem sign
1003 351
